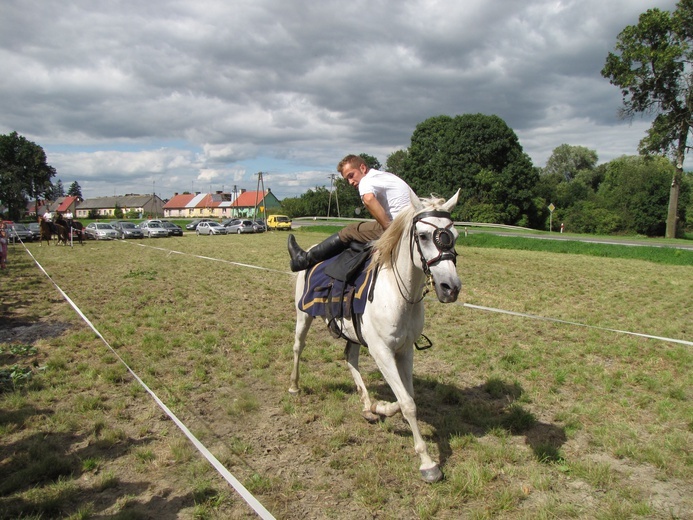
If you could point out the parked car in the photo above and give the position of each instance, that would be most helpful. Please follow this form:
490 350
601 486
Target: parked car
153 229
259 226
100 231
210 228
279 222
19 232
193 223
240 226
127 230
174 230
35 229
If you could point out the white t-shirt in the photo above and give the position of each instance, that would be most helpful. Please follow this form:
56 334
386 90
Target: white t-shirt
390 191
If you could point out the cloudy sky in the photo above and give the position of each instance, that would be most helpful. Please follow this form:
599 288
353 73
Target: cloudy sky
128 96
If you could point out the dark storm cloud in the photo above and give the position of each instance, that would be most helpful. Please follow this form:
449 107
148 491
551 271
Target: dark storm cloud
183 92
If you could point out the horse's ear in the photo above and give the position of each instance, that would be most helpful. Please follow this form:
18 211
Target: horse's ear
451 203
415 201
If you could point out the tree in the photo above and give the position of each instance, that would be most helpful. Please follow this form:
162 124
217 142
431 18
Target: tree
479 154
371 161
349 199
395 161
652 66
24 173
568 160
55 191
636 188
75 190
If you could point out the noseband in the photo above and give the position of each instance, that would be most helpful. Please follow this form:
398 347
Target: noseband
443 239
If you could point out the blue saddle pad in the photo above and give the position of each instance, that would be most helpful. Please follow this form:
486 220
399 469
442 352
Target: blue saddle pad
327 296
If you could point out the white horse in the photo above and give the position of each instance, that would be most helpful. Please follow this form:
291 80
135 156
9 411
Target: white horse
417 247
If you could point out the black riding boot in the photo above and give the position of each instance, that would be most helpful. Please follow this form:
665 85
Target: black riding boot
301 259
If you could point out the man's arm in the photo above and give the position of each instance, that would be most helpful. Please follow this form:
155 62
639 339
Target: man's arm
375 209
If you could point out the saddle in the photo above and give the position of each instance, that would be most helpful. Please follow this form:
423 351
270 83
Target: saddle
339 288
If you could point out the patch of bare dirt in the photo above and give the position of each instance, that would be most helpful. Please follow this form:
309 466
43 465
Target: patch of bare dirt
28 333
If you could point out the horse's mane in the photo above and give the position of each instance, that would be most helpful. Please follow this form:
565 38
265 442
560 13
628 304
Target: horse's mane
385 247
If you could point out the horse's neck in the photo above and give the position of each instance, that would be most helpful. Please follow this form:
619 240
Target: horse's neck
409 279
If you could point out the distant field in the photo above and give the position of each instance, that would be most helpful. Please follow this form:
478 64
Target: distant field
649 253
530 419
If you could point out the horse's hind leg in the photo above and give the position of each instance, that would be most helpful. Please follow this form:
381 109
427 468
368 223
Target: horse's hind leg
351 352
303 321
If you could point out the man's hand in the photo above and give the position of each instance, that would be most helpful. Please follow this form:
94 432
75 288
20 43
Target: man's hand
375 209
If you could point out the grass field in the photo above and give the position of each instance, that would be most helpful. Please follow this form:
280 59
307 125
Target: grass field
529 418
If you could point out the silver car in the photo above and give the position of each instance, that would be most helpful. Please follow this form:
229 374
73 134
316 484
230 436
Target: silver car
153 229
210 228
127 230
240 226
100 231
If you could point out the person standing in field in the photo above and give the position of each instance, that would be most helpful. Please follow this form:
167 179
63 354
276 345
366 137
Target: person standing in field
3 246
384 195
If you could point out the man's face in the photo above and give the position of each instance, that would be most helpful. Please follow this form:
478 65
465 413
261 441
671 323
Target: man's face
353 174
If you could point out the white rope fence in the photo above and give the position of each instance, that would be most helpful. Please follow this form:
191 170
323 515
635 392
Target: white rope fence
225 473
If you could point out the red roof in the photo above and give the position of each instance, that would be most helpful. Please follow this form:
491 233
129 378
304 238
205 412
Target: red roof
179 201
65 204
249 199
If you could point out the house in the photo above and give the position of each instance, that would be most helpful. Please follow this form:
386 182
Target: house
198 205
144 205
254 203
31 207
220 205
64 205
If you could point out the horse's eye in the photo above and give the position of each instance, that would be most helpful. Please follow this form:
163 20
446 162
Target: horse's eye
423 236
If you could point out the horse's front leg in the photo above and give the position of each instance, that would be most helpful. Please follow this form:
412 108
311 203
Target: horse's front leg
351 352
392 370
303 322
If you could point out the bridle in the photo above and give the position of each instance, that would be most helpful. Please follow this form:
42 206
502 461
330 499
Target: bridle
443 239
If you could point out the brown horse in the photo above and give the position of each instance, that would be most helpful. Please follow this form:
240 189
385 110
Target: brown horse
46 232
48 229
76 230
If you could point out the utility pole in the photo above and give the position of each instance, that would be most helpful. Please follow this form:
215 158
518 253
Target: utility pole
336 195
234 204
257 191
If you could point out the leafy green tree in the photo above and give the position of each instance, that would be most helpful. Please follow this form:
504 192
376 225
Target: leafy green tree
652 67
75 190
636 188
349 200
395 161
117 211
371 161
24 173
568 161
479 154
292 207
687 187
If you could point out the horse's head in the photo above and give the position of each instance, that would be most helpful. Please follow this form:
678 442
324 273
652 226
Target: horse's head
433 237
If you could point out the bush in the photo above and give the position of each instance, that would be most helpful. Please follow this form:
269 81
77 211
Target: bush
587 217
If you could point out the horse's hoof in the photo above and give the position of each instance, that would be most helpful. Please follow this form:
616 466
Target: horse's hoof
371 417
294 391
432 475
